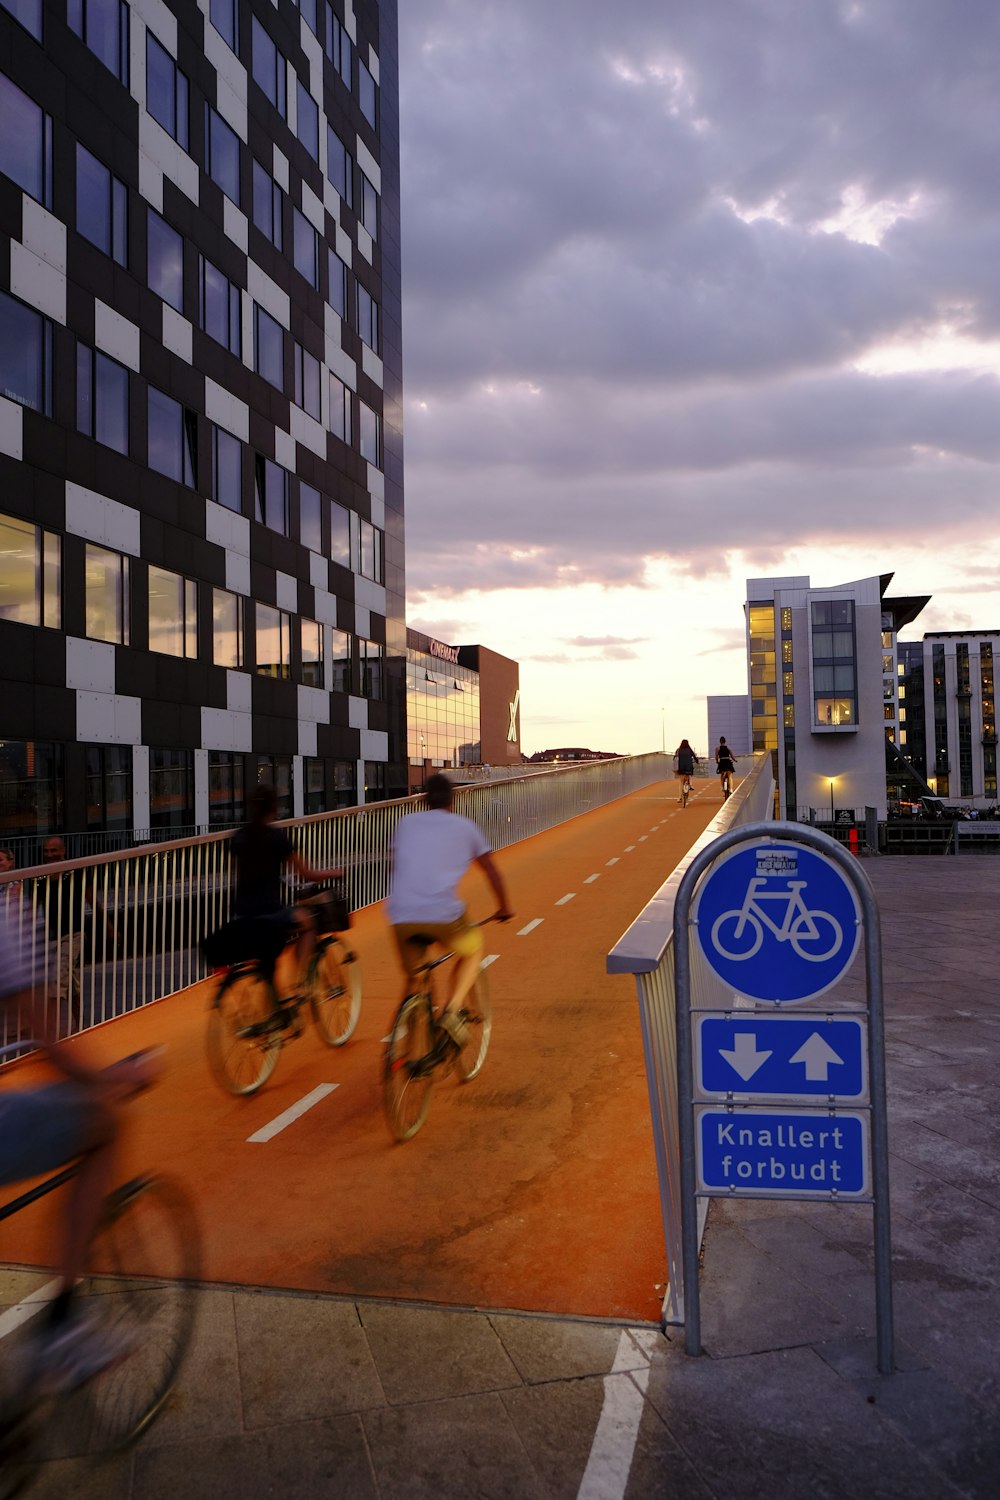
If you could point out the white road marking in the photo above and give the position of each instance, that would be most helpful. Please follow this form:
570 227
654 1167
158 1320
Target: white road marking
490 958
531 926
563 900
643 837
629 848
607 1472
293 1113
589 879
611 862
28 1307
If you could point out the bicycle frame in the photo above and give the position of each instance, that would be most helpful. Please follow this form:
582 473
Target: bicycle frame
795 907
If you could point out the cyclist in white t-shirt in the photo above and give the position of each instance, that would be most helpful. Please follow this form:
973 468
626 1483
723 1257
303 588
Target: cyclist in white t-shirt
431 851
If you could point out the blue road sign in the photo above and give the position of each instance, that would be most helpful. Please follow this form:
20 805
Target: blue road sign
809 1154
777 921
787 1057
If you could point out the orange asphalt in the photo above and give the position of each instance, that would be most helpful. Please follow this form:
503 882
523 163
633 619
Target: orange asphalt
531 1188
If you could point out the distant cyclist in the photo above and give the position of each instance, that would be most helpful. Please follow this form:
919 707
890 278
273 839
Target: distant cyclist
685 760
725 766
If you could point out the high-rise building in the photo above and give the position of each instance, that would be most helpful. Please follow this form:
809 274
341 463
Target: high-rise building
951 723
201 511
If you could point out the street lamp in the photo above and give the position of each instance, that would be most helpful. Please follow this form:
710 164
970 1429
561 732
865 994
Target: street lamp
831 780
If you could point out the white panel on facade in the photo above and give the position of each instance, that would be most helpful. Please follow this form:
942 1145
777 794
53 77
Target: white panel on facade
357 713
99 519
285 449
375 744
140 786
226 529
177 334
218 729
239 692
231 85
11 428
201 798
307 746
236 224
337 359
369 165
314 52
313 209
227 410
280 169
237 573
115 335
171 158
43 233
161 21
268 293
362 618
314 707
331 198
369 595
319 571
307 431
376 489
108 719
350 21
344 246
365 245
372 365
151 181
90 665
287 591
325 607
37 283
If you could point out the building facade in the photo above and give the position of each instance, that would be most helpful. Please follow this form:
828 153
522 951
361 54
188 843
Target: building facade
201 517
824 688
950 706
462 707
729 715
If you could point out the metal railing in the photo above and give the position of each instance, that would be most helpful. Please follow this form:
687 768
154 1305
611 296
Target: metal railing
645 949
105 935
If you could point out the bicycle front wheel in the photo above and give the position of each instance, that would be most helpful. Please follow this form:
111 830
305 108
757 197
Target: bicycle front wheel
146 1260
408 1070
336 991
243 1045
477 1013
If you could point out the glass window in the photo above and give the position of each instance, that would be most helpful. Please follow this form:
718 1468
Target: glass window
308 9
31 786
25 142
107 595
340 409
225 17
312 653
367 318
268 66
171 788
273 642
339 166
369 207
101 206
337 45
267 205
173 613
366 93
25 355
268 347
227 470
101 398
370 434
31 575
305 248
272 495
337 296
307 381
166 91
109 786
371 551
164 261
340 673
28 12
172 438
307 119
103 25
340 534
219 306
313 785
372 657
222 154
226 788
227 629
310 517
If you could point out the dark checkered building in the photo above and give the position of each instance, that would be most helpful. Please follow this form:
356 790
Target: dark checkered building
201 504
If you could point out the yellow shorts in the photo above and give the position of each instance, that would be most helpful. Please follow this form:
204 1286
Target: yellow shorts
457 935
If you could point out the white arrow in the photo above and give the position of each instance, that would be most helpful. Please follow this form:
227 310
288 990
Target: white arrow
817 1056
744 1059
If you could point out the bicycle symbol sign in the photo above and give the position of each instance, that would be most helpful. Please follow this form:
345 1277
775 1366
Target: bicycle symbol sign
777 921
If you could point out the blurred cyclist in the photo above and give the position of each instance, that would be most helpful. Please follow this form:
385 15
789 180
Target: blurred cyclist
44 1128
686 762
431 851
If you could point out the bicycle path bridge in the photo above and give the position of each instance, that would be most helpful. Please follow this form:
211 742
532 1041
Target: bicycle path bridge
533 1188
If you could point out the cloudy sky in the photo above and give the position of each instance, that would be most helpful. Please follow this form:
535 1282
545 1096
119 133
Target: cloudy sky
693 291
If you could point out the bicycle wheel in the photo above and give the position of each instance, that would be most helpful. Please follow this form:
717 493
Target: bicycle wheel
335 991
816 936
243 1044
146 1260
737 934
477 1013
25 1417
409 1071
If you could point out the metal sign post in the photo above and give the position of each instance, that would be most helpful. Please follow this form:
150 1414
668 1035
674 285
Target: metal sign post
790 1103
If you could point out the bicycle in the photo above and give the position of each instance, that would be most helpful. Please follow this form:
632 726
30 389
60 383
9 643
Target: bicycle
685 789
799 925
249 1022
727 785
145 1262
419 1046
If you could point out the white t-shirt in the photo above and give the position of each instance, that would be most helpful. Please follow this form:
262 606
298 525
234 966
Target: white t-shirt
431 851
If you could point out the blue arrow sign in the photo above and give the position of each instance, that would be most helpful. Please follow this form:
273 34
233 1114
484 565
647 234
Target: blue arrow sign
777 921
788 1057
799 1153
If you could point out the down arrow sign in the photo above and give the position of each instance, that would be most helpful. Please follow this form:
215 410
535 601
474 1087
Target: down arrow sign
744 1058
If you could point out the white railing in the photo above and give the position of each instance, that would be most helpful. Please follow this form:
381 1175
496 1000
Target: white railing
105 935
645 949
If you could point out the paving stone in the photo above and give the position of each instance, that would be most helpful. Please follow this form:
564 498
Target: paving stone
546 1349
206 1399
302 1357
423 1354
466 1448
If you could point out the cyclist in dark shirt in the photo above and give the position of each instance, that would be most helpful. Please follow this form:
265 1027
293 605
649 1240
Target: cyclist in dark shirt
725 765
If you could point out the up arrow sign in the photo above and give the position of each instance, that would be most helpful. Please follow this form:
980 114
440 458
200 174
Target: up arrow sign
817 1056
744 1058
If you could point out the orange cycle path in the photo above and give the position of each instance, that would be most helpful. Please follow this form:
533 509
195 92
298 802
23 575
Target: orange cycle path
531 1188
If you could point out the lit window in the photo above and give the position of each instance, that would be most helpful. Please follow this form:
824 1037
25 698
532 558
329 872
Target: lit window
367 94
107 595
305 248
307 119
307 381
339 166
273 642
370 434
227 629
269 347
25 142
103 25
337 296
369 207
172 436
270 71
25 355
340 409
31 576
173 613
227 470
165 261
338 45
166 91
102 398
312 653
272 495
310 517
219 306
101 206
222 154
267 205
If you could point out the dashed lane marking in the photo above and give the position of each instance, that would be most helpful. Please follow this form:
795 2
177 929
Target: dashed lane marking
589 879
629 848
531 926
293 1113
564 900
643 837
611 862
490 958
28 1307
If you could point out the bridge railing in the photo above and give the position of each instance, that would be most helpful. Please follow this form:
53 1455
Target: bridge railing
645 950
106 934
